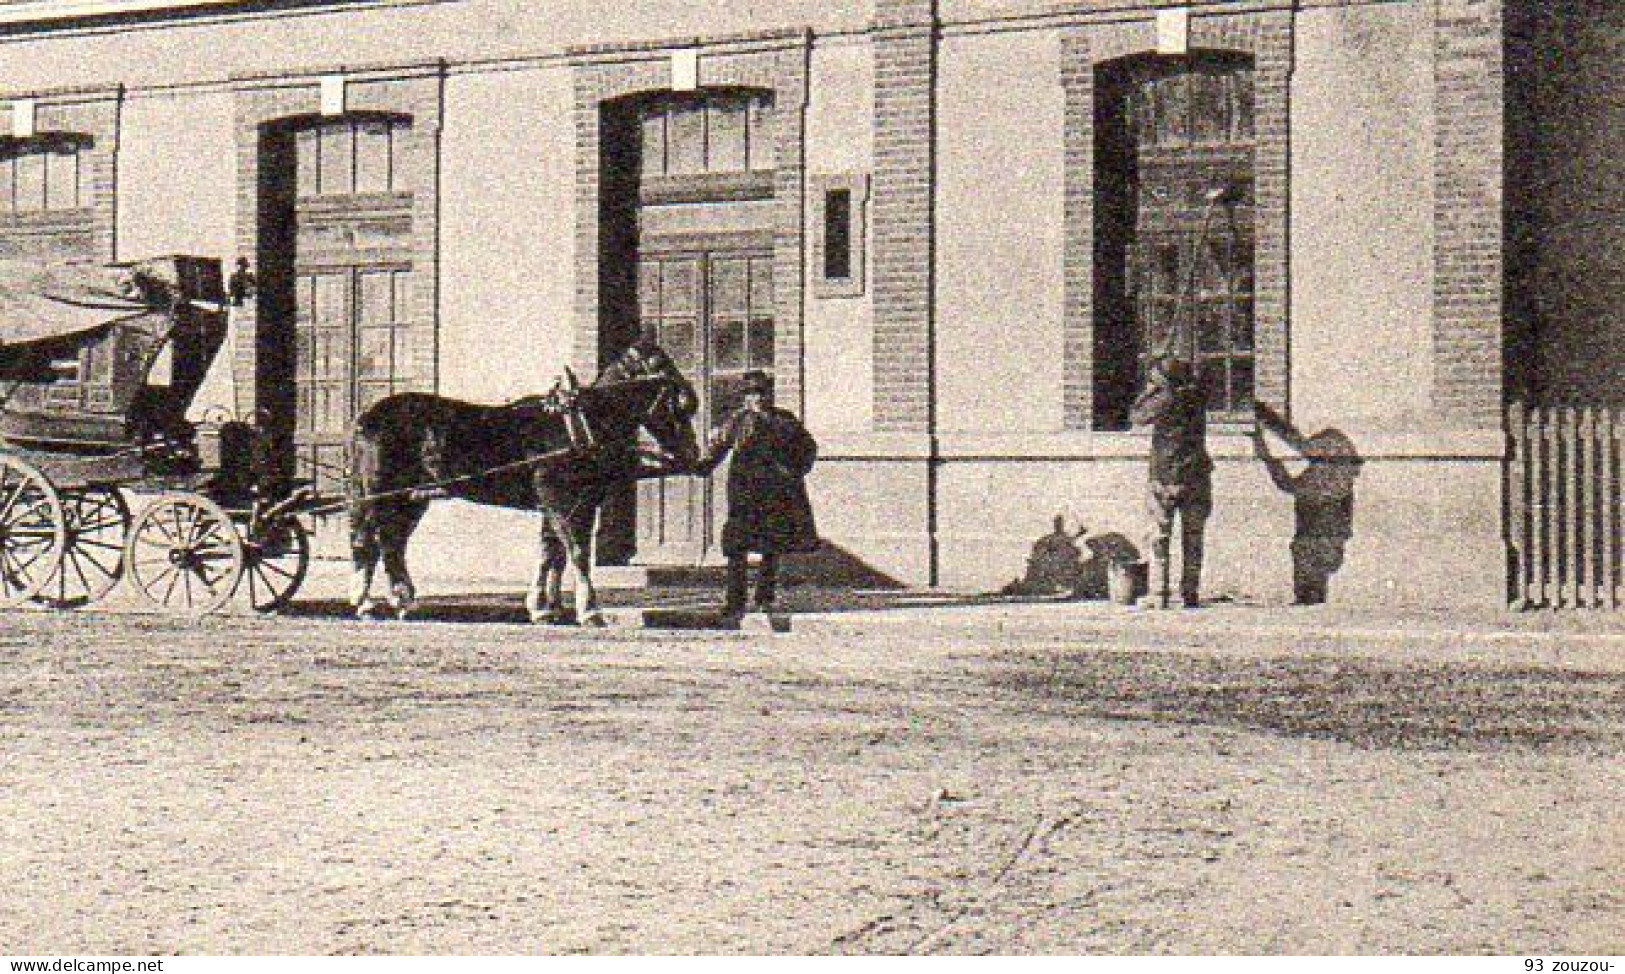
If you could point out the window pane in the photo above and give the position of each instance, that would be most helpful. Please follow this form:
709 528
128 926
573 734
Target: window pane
678 282
372 157
62 179
1210 120
329 361
1212 318
303 355
838 234
728 344
338 159
761 285
330 301
1241 383
760 123
728 286
652 149
308 149
400 138
412 346
685 149
1243 107
329 412
304 409
726 139
377 298
676 336
1242 325
761 343
648 289
30 182
403 296
373 354
371 393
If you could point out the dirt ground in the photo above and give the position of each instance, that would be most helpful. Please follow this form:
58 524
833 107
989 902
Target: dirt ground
304 785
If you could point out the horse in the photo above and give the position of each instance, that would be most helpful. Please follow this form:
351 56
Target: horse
411 448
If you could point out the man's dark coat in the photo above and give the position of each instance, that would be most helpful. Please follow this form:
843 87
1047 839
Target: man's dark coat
768 508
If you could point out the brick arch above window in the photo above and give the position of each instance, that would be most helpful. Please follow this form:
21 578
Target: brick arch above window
1266 38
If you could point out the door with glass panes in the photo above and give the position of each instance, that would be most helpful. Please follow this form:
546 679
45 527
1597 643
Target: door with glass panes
355 345
713 312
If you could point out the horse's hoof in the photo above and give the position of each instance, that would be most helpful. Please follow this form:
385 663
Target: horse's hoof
546 617
368 612
594 620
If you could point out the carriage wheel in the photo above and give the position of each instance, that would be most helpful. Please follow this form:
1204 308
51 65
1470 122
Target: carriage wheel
92 552
32 531
275 559
183 554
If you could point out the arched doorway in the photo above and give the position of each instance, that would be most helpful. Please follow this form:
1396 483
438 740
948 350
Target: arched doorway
687 259
338 326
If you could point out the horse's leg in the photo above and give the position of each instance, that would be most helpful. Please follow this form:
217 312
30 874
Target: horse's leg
578 548
544 601
394 535
364 554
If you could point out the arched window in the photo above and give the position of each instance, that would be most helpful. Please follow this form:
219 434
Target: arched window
353 156
43 174
1174 228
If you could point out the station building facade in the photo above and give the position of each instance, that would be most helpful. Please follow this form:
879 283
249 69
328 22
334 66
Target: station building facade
952 229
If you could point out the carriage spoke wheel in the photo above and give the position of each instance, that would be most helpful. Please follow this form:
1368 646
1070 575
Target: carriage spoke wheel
183 554
275 559
97 519
32 531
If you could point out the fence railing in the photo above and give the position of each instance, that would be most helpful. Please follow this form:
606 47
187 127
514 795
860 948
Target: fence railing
1563 506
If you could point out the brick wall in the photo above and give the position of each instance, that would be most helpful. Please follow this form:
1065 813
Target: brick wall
1468 264
902 213
415 92
1267 36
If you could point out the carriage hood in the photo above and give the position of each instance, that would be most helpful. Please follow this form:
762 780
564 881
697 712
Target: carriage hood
50 303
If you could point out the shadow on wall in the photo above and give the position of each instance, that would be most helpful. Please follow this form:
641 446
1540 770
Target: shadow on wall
1322 500
1061 566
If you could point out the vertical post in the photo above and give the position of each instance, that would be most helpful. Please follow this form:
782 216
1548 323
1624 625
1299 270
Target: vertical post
1517 485
1613 428
1586 505
1546 490
1571 507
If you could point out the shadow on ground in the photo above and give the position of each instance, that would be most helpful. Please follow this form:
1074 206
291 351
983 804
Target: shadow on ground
1363 702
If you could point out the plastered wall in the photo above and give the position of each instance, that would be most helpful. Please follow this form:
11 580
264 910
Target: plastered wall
1361 217
999 283
838 330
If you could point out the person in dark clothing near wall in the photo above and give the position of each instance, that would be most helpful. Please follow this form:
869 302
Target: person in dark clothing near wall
1181 474
769 512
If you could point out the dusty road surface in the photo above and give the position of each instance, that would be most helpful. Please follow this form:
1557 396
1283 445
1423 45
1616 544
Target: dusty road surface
295 785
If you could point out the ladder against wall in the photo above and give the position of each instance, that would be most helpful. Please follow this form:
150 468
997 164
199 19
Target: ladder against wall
1563 519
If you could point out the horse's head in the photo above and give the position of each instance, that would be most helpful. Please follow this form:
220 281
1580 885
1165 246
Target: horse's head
667 408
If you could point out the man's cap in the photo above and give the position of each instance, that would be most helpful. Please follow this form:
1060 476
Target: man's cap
757 381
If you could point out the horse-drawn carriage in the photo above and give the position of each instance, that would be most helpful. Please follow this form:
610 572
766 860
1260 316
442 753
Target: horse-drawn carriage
98 367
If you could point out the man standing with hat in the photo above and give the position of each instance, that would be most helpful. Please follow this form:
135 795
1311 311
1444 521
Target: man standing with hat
1174 406
769 512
